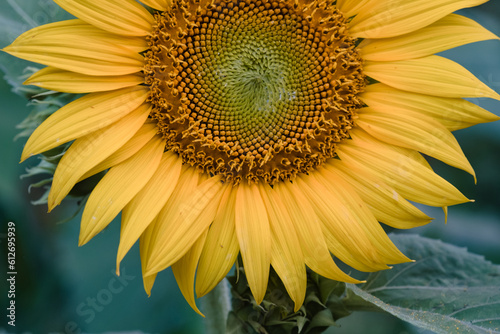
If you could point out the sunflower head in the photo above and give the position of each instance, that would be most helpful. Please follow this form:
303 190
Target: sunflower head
283 131
253 91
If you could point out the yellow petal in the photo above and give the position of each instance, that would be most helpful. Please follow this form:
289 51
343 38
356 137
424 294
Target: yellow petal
80 48
120 184
385 203
148 282
286 254
81 29
185 269
152 236
161 5
145 250
397 17
302 194
131 147
418 133
431 75
148 202
352 7
70 82
221 246
181 225
352 207
400 168
254 237
122 17
88 151
83 116
449 32
454 114
337 226
307 224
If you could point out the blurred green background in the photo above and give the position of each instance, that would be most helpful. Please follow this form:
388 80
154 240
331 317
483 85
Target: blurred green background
62 288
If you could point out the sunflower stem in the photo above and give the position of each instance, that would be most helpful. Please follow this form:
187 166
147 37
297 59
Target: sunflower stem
216 306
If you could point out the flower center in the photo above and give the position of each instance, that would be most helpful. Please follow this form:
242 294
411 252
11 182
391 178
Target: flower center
255 90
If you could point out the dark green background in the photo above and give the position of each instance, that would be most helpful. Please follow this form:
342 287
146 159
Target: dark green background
57 280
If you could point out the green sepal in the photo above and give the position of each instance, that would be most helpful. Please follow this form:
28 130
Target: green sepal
323 306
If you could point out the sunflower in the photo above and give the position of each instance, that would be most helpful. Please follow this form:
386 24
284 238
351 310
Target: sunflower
282 131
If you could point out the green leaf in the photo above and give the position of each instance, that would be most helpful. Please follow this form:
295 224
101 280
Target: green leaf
322 319
328 287
446 289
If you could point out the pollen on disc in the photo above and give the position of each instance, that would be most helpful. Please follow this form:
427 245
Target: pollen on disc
253 90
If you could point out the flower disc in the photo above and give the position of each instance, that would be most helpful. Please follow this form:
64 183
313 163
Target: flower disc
254 90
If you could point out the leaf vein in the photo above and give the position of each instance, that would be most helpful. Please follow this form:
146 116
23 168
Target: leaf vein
473 306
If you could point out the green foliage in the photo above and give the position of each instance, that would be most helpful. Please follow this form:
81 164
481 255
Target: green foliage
323 306
446 289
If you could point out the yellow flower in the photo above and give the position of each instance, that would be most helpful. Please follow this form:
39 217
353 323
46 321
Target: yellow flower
284 131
